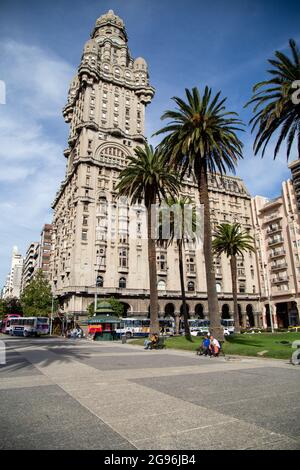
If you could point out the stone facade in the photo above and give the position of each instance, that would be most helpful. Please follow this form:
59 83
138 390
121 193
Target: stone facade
30 264
95 235
277 233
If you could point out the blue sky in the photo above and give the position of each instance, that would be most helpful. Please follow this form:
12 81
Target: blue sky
223 44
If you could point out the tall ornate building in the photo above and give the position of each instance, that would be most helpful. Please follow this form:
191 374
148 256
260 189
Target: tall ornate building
97 236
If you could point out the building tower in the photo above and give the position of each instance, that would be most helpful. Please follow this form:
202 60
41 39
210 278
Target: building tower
106 112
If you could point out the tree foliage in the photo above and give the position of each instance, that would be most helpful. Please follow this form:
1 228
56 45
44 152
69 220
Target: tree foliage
274 108
36 298
10 305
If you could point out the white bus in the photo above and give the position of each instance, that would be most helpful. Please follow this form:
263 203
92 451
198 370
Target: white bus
140 327
29 326
202 326
228 325
198 326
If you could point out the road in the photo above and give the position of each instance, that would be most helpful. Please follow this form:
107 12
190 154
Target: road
76 394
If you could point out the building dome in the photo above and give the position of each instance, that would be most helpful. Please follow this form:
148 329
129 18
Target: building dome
140 64
110 17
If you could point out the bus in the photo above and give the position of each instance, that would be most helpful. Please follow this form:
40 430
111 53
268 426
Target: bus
5 324
29 326
140 327
198 326
228 324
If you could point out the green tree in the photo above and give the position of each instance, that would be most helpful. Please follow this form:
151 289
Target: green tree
274 108
36 299
148 178
180 233
115 304
10 305
201 138
233 241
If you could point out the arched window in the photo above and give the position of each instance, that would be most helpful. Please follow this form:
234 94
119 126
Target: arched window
161 285
191 286
122 283
218 287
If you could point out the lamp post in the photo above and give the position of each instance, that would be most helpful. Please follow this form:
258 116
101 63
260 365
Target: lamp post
269 298
52 311
98 284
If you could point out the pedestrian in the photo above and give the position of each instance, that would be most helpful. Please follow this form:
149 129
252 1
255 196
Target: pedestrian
214 346
204 348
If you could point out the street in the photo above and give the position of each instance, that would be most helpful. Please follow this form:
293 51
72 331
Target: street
76 394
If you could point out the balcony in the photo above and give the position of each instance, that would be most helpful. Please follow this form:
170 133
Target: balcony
277 254
278 266
275 241
274 229
279 279
274 216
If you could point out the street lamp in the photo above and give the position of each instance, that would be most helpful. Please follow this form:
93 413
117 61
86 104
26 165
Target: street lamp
269 298
52 311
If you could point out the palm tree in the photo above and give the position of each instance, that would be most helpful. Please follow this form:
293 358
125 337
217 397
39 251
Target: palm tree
233 241
201 137
275 109
180 233
147 178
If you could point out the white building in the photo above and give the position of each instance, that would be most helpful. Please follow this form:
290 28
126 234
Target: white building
13 283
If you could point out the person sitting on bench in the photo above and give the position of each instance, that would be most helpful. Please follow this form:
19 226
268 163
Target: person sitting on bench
151 342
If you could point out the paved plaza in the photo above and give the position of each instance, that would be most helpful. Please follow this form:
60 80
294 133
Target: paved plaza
68 394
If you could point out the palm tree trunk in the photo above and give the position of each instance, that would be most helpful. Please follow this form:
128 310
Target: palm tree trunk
233 267
154 324
212 297
184 306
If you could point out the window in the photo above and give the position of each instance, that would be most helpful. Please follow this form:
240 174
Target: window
85 220
122 283
242 288
190 262
123 258
218 287
161 285
161 262
84 235
191 286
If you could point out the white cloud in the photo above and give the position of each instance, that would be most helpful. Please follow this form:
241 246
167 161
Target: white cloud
263 176
32 163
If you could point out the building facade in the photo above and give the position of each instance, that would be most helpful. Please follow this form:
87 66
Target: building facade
44 251
30 264
277 233
295 170
95 234
13 283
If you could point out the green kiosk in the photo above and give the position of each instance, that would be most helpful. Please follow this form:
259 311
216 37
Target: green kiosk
103 324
